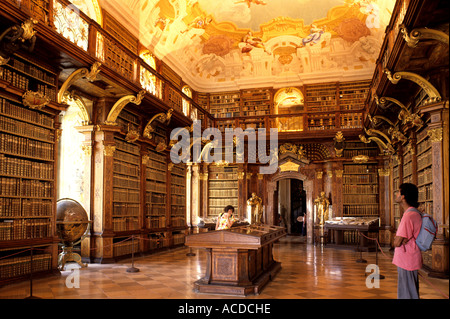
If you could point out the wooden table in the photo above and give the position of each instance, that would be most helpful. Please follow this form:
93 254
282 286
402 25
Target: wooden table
239 260
336 236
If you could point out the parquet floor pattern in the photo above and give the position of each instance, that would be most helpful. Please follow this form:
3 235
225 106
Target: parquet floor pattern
308 272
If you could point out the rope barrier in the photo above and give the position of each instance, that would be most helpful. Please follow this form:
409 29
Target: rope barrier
423 277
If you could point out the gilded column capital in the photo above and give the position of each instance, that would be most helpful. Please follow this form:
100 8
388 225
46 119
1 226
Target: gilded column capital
319 175
87 150
339 172
109 150
383 172
436 135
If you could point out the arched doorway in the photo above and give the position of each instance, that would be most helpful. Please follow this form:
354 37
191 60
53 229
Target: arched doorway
307 196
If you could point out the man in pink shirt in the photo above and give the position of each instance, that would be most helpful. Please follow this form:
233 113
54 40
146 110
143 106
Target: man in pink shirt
407 256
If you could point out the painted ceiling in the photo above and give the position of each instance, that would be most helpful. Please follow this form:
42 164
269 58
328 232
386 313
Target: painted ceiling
234 44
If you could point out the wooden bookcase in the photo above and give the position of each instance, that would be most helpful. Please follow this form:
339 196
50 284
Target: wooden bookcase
256 102
360 190
126 186
321 97
352 95
325 121
155 191
178 197
223 189
396 165
27 171
353 148
225 105
407 165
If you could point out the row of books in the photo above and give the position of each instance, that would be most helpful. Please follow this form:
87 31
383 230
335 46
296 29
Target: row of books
23 187
155 198
368 152
177 170
178 180
32 70
156 165
25 168
25 207
126 181
407 169
360 199
177 210
360 189
178 239
126 195
25 129
126 168
222 176
360 210
425 176
125 209
424 160
360 179
213 184
155 209
178 190
126 247
158 240
223 193
351 237
215 211
25 147
426 193
154 186
14 78
178 200
156 175
127 147
47 91
126 157
178 221
351 120
125 223
423 146
156 222
16 229
19 266
359 169
222 202
13 110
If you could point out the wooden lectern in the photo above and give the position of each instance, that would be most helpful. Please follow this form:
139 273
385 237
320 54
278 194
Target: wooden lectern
240 260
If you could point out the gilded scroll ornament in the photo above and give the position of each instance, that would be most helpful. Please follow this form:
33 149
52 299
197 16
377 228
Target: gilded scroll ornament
432 92
90 75
120 104
413 38
35 100
161 117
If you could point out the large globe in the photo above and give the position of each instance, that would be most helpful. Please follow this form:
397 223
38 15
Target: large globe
71 220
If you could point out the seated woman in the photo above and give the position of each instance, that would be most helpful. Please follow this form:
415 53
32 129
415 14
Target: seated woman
226 219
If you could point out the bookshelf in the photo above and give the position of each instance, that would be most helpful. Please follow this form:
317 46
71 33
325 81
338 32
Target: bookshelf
126 186
27 186
396 183
352 95
155 191
407 165
178 196
256 102
223 189
225 104
354 148
425 181
321 97
360 190
24 74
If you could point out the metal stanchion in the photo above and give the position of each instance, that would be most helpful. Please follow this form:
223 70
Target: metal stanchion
132 268
360 260
31 277
380 276
190 253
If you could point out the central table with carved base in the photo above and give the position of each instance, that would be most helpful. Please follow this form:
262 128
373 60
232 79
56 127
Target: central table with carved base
239 260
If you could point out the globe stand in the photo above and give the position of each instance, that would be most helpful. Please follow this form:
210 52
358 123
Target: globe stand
67 255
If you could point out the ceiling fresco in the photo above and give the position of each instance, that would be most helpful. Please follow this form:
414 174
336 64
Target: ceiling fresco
234 44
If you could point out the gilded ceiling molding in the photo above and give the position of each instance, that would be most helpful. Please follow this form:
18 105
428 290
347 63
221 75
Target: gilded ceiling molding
78 101
418 34
162 117
433 94
385 147
120 104
91 75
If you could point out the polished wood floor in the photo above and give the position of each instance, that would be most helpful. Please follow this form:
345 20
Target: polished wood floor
308 272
